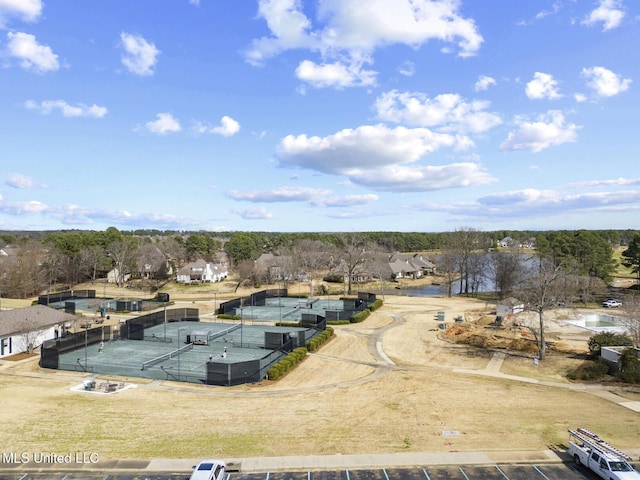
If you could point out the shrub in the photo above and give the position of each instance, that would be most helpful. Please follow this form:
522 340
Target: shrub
608 339
333 279
360 316
590 370
287 363
629 366
228 316
376 304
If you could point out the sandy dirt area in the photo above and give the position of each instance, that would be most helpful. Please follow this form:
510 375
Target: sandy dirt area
389 384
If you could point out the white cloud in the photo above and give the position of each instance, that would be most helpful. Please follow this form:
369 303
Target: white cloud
621 181
284 194
516 205
288 26
604 82
609 13
408 69
336 74
79 110
347 34
17 180
546 131
23 208
369 146
346 201
449 112
26 10
580 97
32 55
140 56
542 86
165 123
415 178
227 128
483 83
258 213
377 157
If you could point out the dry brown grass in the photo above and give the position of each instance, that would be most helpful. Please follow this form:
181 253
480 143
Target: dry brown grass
343 399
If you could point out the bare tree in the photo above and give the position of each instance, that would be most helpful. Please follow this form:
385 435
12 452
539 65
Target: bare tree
543 288
123 254
93 258
308 257
246 270
506 270
462 243
631 317
447 267
352 253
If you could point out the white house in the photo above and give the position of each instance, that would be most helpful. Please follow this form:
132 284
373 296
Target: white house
201 272
24 329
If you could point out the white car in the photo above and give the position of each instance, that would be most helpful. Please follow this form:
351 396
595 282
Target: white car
209 470
612 304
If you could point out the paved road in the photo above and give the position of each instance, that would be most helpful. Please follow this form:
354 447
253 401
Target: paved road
548 471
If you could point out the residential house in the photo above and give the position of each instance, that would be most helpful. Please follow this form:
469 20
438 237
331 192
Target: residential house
410 266
201 271
113 275
24 329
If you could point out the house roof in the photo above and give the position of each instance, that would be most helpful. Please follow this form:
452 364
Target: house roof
196 268
28 319
409 263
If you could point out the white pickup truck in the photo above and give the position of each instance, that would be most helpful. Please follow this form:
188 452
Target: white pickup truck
608 462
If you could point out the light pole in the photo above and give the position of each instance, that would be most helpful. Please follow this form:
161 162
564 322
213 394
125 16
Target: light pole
178 352
165 322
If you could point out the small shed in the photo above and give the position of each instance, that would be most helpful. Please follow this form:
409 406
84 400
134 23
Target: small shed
509 306
199 337
612 356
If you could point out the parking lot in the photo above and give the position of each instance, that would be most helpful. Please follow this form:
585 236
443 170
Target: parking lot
556 471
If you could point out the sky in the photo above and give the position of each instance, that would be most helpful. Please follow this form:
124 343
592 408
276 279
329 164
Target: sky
319 116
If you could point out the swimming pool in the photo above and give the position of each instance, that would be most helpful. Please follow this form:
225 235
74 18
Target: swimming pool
599 322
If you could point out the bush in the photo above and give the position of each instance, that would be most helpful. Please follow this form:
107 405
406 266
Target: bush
608 339
590 370
228 316
376 304
287 363
629 366
333 279
360 316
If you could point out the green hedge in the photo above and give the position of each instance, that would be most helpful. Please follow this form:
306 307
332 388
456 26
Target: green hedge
229 317
317 341
287 363
299 354
360 316
376 304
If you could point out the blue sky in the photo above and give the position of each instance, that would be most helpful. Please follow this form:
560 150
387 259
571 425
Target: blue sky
324 115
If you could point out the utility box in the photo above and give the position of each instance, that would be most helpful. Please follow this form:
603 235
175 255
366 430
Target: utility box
441 316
